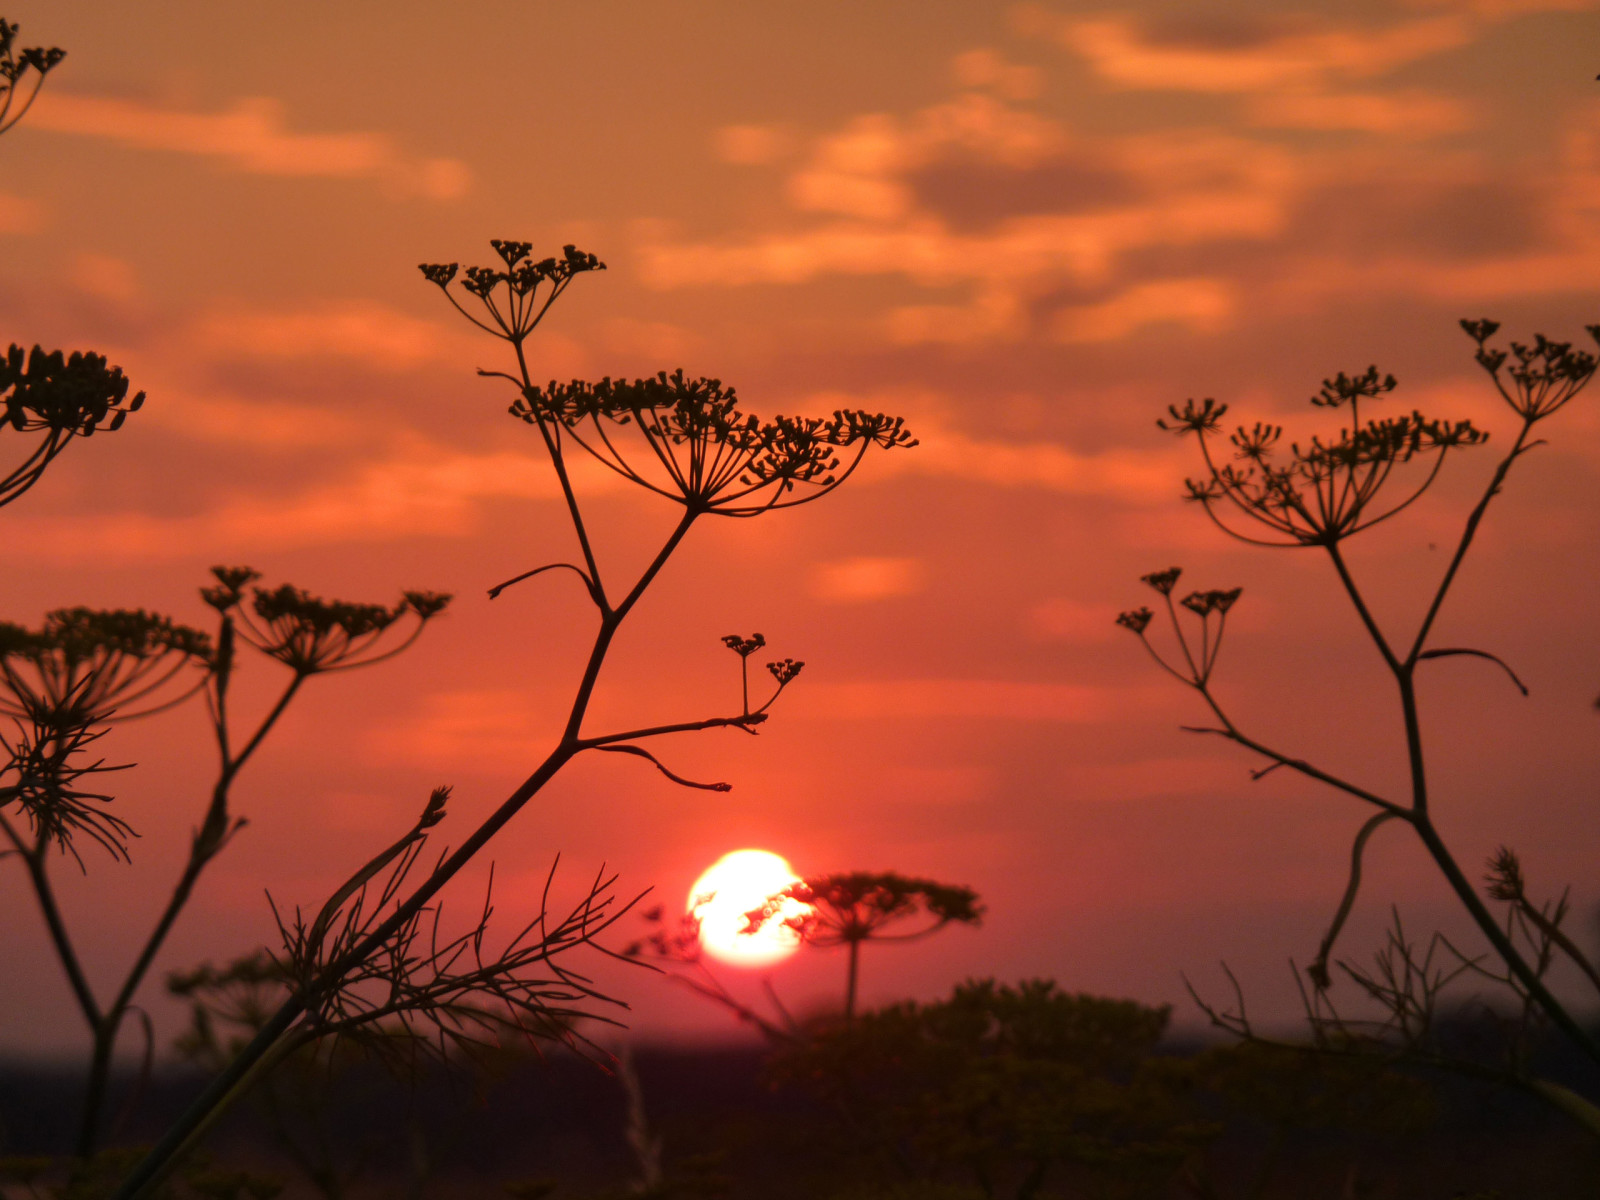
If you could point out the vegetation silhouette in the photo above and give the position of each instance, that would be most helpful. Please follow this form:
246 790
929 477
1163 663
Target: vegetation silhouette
840 909
67 682
22 73
854 907
685 440
1317 495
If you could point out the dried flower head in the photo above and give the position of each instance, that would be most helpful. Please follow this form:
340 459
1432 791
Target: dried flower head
22 72
1163 581
701 450
1540 378
855 906
84 666
312 636
515 295
785 671
1137 619
61 684
1324 490
59 397
744 647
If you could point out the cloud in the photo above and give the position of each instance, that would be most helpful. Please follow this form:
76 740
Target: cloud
368 332
376 335
423 492
105 277
1411 114
752 145
251 136
854 580
1202 305
1120 52
1139 477
986 68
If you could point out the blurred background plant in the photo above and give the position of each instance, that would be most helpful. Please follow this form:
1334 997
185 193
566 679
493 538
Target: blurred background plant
66 683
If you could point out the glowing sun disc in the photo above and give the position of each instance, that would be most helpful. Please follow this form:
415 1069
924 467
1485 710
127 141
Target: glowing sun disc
736 883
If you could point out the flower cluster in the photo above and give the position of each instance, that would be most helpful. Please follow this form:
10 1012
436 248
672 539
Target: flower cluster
59 396
83 666
1540 378
703 451
1199 657
61 684
312 636
1325 490
511 294
16 66
854 906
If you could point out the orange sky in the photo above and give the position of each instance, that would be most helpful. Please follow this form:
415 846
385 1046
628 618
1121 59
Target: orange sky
1027 230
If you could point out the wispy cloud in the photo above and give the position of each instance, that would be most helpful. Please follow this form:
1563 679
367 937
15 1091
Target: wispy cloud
1138 477
1121 52
425 492
252 136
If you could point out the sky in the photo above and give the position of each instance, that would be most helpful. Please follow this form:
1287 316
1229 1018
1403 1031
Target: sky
1027 229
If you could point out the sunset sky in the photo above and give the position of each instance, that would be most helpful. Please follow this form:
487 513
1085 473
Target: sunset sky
1027 229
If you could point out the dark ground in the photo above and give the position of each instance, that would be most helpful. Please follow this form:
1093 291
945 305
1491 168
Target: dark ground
563 1120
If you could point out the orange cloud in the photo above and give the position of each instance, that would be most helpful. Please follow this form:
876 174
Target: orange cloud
752 145
986 68
1412 113
424 492
1139 477
364 331
1119 51
1203 305
105 277
854 580
251 136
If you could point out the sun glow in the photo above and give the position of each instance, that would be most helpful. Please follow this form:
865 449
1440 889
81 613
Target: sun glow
736 883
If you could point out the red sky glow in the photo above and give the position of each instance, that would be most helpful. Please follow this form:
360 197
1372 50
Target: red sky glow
1028 229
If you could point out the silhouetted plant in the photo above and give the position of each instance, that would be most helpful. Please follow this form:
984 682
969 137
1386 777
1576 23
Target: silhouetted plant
67 682
685 440
57 398
1318 495
22 72
854 907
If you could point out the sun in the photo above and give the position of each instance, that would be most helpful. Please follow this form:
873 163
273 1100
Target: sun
736 883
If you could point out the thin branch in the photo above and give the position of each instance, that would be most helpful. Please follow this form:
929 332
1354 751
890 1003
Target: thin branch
1454 650
678 779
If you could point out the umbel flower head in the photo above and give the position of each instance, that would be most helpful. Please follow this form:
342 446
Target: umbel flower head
312 636
1535 380
515 295
22 72
61 684
1321 492
853 906
701 449
59 397
83 666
